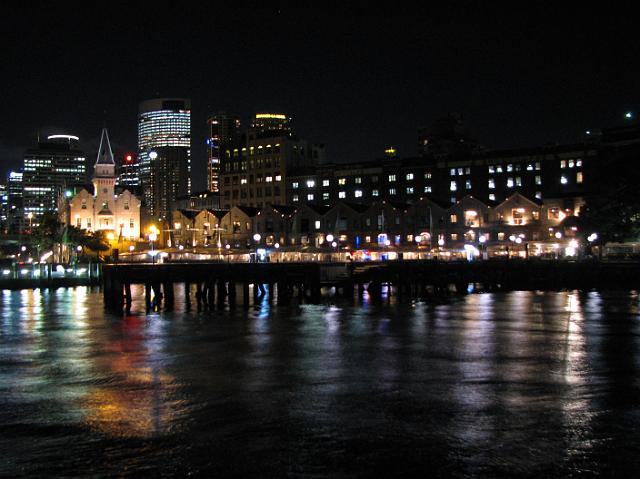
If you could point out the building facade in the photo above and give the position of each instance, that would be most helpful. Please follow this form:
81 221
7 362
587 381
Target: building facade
118 214
254 172
164 152
224 132
55 168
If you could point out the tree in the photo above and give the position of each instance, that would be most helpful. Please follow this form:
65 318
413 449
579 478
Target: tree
98 242
48 233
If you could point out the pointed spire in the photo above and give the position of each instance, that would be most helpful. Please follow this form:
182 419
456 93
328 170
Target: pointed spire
105 154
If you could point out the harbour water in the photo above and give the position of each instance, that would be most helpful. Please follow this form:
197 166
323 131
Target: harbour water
533 384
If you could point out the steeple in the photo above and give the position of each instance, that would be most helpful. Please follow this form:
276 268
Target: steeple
105 154
104 170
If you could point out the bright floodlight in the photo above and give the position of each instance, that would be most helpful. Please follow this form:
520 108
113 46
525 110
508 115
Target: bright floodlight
418 239
558 235
153 155
334 244
628 115
482 239
256 237
277 245
329 238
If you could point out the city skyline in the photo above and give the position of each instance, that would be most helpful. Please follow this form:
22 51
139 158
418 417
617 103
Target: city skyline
521 78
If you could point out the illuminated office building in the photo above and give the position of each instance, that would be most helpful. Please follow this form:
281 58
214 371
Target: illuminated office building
55 167
128 172
164 136
254 171
224 131
270 124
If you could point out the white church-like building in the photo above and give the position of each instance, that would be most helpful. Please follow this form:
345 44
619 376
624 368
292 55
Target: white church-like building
117 214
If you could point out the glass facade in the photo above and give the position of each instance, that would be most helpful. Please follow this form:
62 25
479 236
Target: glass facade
163 123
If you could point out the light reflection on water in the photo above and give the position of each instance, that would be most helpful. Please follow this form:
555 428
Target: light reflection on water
519 383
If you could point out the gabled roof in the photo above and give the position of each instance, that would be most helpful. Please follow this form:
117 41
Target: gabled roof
285 210
535 202
218 213
250 211
357 207
319 209
105 154
190 214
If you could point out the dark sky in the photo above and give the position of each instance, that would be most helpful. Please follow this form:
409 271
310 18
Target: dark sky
355 78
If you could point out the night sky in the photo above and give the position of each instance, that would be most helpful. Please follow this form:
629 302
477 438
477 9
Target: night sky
357 79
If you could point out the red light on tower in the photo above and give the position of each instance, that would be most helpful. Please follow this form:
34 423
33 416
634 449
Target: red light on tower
128 158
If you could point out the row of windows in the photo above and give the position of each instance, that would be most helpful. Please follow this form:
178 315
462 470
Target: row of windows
513 167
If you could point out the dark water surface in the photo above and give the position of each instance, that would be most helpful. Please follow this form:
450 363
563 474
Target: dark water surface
521 383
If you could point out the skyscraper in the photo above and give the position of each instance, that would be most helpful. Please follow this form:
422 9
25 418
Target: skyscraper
224 131
164 138
55 167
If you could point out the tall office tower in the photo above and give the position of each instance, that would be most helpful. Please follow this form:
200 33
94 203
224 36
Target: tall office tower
15 217
164 135
55 167
4 203
224 131
128 173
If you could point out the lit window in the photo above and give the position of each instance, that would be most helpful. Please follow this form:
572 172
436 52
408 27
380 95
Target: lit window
454 236
563 163
392 191
268 179
579 177
325 196
460 171
467 171
492 169
427 189
453 218
325 182
409 176
358 180
492 196
310 197
358 194
278 177
578 163
311 183
492 183
342 194
392 178
243 181
453 172
453 199
294 185
499 169
564 180
342 181
530 167
427 175
467 184
509 182
539 195
410 190
375 193
571 163
295 198
509 167
538 166
317 224
453 186
518 181
538 180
